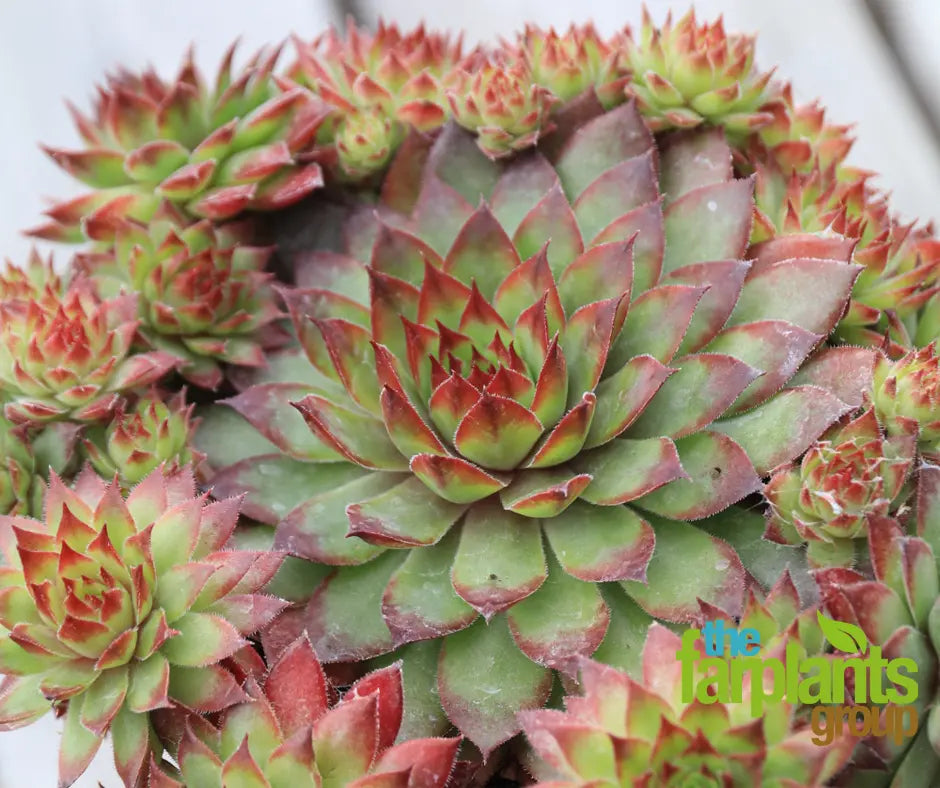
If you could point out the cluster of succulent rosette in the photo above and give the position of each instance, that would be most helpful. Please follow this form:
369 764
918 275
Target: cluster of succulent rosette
405 402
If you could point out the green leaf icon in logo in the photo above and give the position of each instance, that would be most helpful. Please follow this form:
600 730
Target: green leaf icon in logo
848 638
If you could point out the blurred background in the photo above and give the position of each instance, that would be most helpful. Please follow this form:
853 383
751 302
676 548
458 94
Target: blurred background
873 63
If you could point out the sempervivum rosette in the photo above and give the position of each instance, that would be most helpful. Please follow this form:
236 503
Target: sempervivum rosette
799 137
386 82
501 101
899 610
901 262
855 474
70 357
686 73
574 61
638 732
151 434
285 733
37 280
203 295
215 150
113 608
908 390
513 405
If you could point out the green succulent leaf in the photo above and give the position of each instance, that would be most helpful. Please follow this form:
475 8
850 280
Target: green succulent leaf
485 680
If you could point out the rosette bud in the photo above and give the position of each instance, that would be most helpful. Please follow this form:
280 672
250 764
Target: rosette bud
570 63
622 731
909 390
841 483
20 492
135 443
799 138
37 280
393 75
365 142
687 74
503 104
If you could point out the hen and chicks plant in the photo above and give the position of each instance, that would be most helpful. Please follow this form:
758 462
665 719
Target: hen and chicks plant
403 394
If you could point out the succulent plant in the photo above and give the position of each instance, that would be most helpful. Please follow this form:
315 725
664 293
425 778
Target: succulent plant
365 142
475 387
202 293
111 608
854 474
503 104
899 262
623 731
71 358
20 489
496 406
37 280
154 433
799 138
378 85
574 61
908 390
215 151
899 610
286 733
685 74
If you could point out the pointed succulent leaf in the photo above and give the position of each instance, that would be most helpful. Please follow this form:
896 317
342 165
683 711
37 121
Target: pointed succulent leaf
499 560
703 387
455 479
619 190
783 427
574 628
656 323
420 601
600 144
624 470
318 528
543 493
203 640
670 593
710 223
78 746
718 474
354 591
207 689
551 221
776 293
407 515
601 543
497 433
482 253
483 711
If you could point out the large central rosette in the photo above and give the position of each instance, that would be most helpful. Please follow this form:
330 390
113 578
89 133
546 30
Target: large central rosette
514 404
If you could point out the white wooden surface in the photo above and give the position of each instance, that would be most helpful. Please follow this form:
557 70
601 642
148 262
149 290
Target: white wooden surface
52 49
